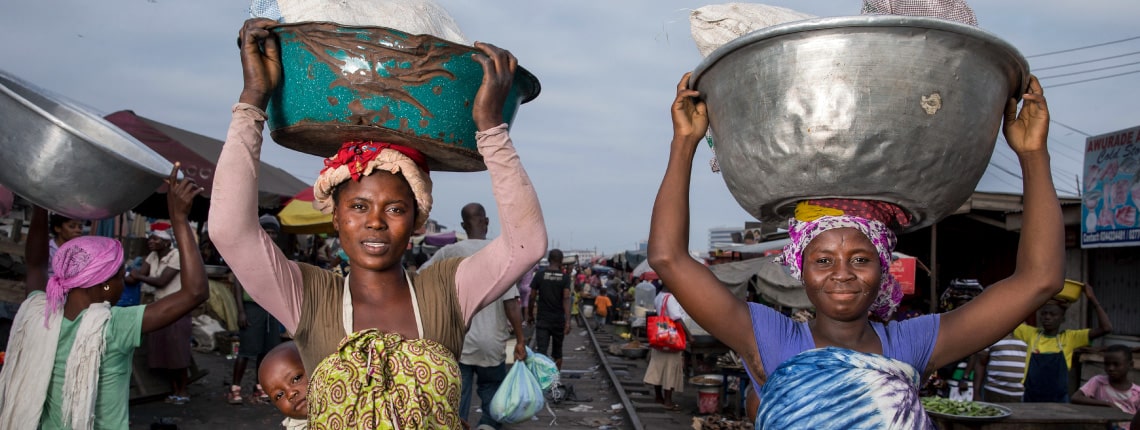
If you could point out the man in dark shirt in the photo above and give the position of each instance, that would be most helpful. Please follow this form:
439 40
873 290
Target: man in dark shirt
551 292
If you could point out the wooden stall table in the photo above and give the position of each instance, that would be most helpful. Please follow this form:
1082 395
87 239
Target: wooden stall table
1026 416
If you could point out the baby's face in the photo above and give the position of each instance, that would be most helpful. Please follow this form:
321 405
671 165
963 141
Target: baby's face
285 381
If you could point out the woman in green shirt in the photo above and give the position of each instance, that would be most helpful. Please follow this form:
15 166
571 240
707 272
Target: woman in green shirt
69 355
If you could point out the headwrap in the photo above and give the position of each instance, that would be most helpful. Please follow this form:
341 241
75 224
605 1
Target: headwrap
356 160
959 292
872 218
161 230
82 262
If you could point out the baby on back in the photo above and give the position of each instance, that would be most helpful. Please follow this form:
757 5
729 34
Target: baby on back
283 377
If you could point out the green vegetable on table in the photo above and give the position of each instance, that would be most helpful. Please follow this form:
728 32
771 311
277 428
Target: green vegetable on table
959 407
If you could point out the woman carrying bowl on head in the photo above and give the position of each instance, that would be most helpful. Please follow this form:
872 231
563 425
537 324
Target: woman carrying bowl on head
378 194
68 363
843 369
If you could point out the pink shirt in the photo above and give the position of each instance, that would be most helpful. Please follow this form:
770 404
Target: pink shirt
274 281
1099 388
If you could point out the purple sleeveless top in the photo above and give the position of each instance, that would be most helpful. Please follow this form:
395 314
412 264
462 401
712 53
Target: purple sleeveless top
780 338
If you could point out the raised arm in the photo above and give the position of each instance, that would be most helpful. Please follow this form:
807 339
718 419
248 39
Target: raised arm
1039 274
694 286
487 274
36 252
195 289
1104 325
272 280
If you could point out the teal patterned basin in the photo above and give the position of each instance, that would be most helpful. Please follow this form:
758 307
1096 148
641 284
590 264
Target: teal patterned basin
374 83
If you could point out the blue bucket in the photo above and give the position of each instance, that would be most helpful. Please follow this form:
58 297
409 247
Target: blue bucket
377 84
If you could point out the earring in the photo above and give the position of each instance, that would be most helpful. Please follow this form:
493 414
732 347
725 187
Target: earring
106 287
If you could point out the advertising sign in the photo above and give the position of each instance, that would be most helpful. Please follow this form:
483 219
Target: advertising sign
1111 190
903 270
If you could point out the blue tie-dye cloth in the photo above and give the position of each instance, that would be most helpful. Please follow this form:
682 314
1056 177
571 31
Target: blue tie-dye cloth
836 388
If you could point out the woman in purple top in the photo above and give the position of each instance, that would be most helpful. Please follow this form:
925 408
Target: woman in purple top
841 370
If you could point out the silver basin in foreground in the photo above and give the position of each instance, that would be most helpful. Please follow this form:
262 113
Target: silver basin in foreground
899 109
64 158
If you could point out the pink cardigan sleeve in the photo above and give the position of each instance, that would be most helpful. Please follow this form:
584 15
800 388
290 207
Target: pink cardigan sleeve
272 280
487 274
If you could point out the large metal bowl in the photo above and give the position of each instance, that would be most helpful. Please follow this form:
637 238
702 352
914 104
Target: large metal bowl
899 109
67 159
344 83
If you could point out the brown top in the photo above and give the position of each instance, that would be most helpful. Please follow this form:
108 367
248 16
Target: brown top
321 326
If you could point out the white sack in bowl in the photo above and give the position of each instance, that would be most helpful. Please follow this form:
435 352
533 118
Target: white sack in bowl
717 24
409 16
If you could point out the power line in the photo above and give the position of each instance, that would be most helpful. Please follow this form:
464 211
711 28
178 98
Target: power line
1090 70
1067 126
1093 79
1083 47
1085 62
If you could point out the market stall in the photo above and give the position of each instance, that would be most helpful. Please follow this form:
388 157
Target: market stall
1034 416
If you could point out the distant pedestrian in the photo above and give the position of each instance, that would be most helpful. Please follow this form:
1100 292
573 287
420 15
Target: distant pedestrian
550 307
482 365
666 371
602 305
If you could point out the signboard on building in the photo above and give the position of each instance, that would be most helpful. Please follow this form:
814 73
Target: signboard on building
1111 190
903 269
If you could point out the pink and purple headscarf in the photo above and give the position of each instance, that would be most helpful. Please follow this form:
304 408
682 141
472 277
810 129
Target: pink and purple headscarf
873 219
83 262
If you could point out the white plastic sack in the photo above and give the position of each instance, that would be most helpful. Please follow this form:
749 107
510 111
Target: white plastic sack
717 24
202 330
409 16
519 397
544 368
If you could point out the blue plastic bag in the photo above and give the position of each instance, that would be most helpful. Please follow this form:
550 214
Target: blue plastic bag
543 368
519 397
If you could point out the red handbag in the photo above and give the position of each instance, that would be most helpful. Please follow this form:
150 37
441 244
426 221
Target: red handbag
664 333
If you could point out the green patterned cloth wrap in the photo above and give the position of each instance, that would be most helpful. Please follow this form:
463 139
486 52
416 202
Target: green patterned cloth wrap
383 381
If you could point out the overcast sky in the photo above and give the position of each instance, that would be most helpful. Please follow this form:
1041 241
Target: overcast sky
595 141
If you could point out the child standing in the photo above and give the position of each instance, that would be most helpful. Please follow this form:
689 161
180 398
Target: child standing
1113 387
602 305
1050 351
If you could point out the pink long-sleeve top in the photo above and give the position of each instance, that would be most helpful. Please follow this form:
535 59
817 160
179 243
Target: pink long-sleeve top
274 281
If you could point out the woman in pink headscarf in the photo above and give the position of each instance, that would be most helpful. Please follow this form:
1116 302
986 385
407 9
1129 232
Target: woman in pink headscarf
68 363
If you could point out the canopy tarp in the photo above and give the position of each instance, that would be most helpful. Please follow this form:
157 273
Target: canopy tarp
199 156
298 216
770 279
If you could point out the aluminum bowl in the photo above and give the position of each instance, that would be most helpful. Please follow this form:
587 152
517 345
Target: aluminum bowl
899 109
67 159
345 83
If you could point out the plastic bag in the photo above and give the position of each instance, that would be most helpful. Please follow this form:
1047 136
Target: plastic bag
543 368
409 16
717 24
519 397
